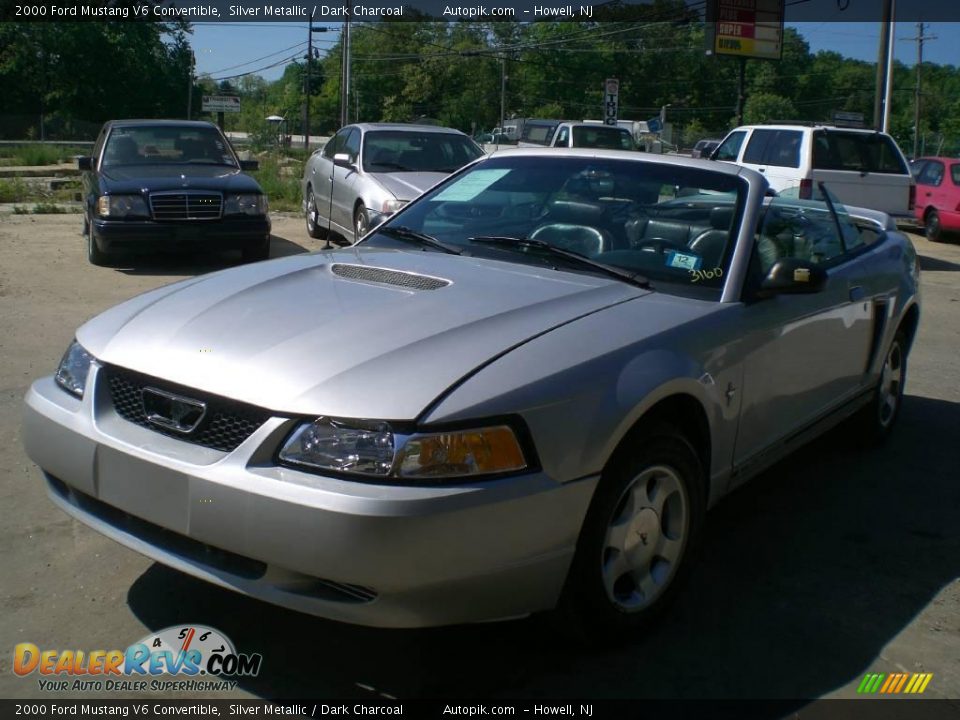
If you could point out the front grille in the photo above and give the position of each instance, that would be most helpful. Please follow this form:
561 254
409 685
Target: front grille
388 277
186 205
226 424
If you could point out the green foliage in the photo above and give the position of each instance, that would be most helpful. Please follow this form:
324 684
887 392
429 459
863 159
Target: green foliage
13 190
48 208
68 73
37 154
279 176
767 107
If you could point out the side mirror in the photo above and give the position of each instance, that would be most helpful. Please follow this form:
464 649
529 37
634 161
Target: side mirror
250 165
343 160
84 163
793 276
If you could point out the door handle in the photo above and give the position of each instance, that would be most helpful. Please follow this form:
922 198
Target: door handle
856 293
929 194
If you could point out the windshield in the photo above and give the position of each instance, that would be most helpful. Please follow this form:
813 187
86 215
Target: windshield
166 144
601 136
403 151
664 221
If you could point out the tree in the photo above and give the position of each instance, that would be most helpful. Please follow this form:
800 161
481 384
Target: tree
765 107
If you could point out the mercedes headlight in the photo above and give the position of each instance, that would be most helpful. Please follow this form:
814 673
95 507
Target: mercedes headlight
74 368
373 449
248 204
122 206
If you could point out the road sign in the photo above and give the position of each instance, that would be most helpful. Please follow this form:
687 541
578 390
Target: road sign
653 125
844 118
611 101
221 103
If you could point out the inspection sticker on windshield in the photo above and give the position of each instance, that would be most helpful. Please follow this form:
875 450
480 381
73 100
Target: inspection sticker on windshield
469 186
681 260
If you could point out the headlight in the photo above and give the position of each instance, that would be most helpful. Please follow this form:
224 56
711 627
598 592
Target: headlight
326 444
391 206
74 368
122 206
250 204
372 448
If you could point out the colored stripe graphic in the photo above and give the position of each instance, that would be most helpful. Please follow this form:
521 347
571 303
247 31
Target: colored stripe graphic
894 683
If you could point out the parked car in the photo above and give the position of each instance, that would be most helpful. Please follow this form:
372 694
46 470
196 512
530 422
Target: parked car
592 135
519 393
367 172
862 167
938 195
170 184
703 148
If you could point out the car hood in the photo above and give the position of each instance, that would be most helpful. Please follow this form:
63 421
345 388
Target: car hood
136 178
332 333
408 185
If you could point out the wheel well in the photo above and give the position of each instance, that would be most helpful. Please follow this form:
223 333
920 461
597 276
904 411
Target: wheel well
910 323
926 213
686 414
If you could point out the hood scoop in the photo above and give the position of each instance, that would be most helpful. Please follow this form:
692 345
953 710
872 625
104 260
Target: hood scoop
411 281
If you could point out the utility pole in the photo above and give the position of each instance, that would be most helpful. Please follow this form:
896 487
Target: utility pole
306 83
880 99
916 97
741 89
345 69
193 60
503 92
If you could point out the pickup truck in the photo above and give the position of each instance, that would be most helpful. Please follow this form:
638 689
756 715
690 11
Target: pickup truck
584 135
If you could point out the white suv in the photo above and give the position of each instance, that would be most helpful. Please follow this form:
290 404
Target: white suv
861 167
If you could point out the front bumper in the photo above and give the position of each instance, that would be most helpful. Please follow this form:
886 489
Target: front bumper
381 555
225 234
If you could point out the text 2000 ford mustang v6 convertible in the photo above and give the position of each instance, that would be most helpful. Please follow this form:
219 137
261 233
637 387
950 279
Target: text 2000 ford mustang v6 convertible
520 393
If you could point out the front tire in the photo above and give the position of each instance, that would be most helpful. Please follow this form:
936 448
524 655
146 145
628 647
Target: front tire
361 222
313 218
638 537
95 255
932 226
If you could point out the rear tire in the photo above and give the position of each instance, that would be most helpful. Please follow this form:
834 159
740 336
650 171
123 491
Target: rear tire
637 540
876 420
932 226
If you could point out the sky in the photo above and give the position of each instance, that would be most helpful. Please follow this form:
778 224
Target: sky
224 49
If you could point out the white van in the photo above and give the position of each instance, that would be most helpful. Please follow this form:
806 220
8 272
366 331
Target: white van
864 168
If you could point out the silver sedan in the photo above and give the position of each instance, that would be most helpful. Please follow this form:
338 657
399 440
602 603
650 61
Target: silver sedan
521 393
366 172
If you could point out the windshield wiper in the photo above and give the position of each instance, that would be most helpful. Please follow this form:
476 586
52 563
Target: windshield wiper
569 255
402 232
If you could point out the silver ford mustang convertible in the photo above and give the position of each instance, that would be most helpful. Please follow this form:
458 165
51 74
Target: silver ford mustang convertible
520 393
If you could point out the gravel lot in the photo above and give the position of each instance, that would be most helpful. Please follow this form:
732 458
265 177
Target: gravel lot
833 564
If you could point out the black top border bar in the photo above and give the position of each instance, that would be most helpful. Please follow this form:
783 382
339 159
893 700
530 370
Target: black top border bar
330 11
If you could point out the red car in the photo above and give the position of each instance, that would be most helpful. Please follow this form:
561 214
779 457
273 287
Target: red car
938 195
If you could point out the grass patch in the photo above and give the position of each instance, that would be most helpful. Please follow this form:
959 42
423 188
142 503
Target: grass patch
21 210
14 190
47 208
281 182
39 154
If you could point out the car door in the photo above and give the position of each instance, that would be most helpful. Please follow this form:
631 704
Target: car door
806 354
345 181
776 153
930 186
321 173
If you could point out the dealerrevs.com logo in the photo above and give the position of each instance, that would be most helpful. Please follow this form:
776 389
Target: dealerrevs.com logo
182 650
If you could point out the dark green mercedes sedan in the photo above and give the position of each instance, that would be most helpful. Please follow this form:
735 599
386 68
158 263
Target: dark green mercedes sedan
170 185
